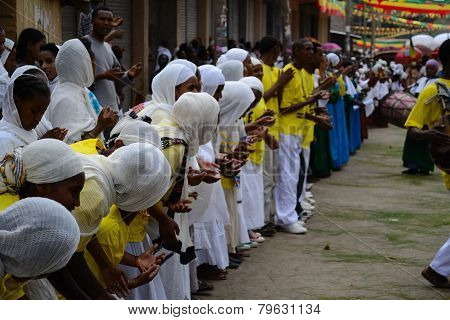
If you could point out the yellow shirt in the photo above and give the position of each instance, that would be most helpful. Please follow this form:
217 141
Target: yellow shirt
228 139
292 94
428 113
113 237
308 88
174 154
270 77
7 200
10 289
137 227
89 214
258 155
89 146
342 87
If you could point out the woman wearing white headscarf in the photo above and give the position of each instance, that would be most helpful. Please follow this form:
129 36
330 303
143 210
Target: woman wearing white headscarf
27 98
70 106
232 70
235 54
46 162
193 122
167 87
134 178
237 98
209 212
162 51
133 132
37 236
251 175
185 63
213 80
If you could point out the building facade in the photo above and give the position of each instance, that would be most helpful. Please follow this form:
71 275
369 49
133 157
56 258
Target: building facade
148 23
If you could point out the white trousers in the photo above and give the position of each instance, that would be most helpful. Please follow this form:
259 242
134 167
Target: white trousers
306 154
288 175
270 166
441 262
252 187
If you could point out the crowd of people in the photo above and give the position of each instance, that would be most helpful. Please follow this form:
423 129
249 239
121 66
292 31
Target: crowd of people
101 202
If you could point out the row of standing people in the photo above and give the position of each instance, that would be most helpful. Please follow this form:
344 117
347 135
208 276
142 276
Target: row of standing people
205 180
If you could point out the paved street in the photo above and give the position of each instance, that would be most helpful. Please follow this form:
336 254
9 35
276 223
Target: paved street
381 228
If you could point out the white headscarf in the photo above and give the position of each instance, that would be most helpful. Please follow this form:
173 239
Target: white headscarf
196 115
334 59
185 63
253 83
212 77
42 161
232 70
70 105
235 54
12 134
162 51
141 175
50 161
236 99
163 87
139 131
37 236
9 45
134 177
255 61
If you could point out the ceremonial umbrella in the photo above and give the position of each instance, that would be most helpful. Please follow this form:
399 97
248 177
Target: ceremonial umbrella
440 38
331 46
405 55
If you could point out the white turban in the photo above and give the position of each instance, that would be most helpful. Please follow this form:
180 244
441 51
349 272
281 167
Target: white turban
212 77
42 161
235 54
334 59
253 83
185 63
9 45
141 176
236 99
37 236
232 70
197 115
163 87
138 131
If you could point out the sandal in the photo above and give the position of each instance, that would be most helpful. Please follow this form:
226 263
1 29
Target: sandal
204 286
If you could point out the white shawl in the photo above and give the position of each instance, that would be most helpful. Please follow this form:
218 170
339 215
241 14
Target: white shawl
12 134
70 107
163 87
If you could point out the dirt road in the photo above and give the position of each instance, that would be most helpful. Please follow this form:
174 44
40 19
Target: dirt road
382 229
